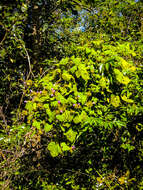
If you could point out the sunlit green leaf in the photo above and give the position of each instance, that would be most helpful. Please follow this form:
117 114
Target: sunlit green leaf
54 149
115 100
47 127
64 146
71 135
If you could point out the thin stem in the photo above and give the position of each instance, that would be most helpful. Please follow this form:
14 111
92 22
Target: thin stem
29 62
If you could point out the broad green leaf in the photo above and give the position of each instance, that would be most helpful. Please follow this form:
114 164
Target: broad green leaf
127 66
115 100
78 73
97 42
54 149
61 98
93 52
50 114
64 61
121 78
71 135
66 76
29 106
119 75
48 127
54 103
132 68
73 69
60 117
76 60
85 75
34 106
88 50
64 146
71 100
103 82
46 106
125 80
67 116
37 124
82 71
77 120
127 99
124 63
83 116
82 98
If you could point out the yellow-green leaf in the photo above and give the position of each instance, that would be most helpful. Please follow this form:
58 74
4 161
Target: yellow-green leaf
126 99
115 100
121 78
71 135
64 146
103 82
66 76
48 127
54 149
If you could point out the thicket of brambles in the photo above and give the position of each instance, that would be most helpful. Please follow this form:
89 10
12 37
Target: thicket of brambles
71 103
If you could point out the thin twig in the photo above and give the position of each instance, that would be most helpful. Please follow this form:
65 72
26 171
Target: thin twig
7 31
29 62
4 37
30 71
47 71
3 116
28 58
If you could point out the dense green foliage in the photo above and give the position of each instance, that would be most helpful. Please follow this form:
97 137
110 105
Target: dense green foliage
71 95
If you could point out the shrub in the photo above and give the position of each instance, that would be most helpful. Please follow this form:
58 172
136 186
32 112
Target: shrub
84 119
